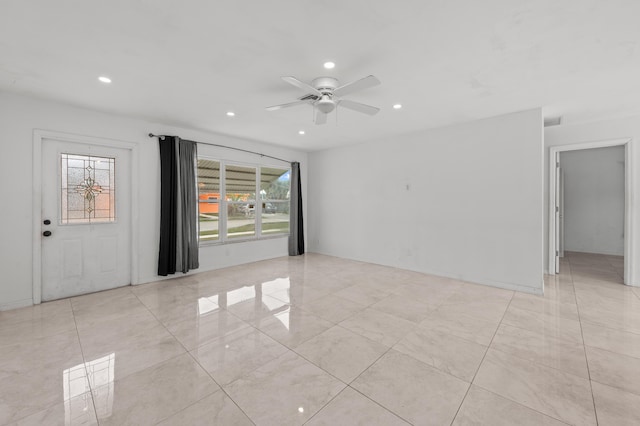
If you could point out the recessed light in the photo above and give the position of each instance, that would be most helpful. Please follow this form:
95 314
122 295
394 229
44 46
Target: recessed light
104 79
300 409
231 113
329 65
301 132
397 106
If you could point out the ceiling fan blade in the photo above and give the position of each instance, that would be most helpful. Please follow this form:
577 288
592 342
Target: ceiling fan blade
302 85
321 117
357 106
363 83
287 105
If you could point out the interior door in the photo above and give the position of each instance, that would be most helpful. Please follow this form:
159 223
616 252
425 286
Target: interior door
557 214
561 213
86 211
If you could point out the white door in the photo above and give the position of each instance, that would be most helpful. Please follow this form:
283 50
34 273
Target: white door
86 218
557 214
561 213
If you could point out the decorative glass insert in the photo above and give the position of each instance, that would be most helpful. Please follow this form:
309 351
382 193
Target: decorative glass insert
88 189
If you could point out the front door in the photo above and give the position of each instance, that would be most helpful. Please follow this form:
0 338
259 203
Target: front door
86 218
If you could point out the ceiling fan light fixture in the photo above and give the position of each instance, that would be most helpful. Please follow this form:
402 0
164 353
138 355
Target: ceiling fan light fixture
325 104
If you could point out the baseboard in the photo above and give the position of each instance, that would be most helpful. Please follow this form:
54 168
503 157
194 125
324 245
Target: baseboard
15 305
206 268
485 282
617 254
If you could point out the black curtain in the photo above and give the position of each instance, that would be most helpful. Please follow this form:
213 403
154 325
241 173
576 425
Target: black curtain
178 208
296 228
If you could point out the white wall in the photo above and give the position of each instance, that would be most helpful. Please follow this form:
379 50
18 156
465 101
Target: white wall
566 135
594 200
19 116
463 201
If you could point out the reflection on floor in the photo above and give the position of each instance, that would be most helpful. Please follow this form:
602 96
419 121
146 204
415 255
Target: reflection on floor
320 340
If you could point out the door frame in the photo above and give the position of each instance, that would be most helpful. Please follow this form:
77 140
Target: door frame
38 138
629 211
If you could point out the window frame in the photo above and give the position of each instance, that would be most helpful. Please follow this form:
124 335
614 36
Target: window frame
223 204
218 202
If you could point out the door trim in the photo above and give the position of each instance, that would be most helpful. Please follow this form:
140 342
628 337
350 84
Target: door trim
629 211
38 138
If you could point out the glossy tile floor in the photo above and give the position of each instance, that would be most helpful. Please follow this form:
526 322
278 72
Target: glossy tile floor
319 340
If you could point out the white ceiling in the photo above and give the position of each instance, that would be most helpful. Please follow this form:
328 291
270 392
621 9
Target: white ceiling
446 61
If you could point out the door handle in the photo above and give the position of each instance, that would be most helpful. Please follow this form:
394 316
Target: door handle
47 233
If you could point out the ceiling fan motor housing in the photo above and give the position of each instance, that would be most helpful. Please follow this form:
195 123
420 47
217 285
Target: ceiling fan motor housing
325 84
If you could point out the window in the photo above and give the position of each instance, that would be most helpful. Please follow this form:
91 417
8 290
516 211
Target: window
240 193
238 202
209 199
87 189
274 193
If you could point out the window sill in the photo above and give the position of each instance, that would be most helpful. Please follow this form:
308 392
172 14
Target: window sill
241 240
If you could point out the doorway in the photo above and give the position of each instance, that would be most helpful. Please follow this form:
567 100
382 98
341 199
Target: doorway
83 215
578 241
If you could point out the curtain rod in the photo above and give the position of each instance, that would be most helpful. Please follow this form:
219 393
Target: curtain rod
161 137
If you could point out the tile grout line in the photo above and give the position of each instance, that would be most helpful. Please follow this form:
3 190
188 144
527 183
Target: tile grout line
584 346
614 353
84 362
348 385
525 406
515 356
416 326
15 420
482 360
161 323
581 335
179 342
293 350
597 324
377 403
196 361
562 371
222 387
289 349
159 362
605 350
539 364
361 373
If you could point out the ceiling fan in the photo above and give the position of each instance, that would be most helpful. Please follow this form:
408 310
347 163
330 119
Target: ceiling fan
324 95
